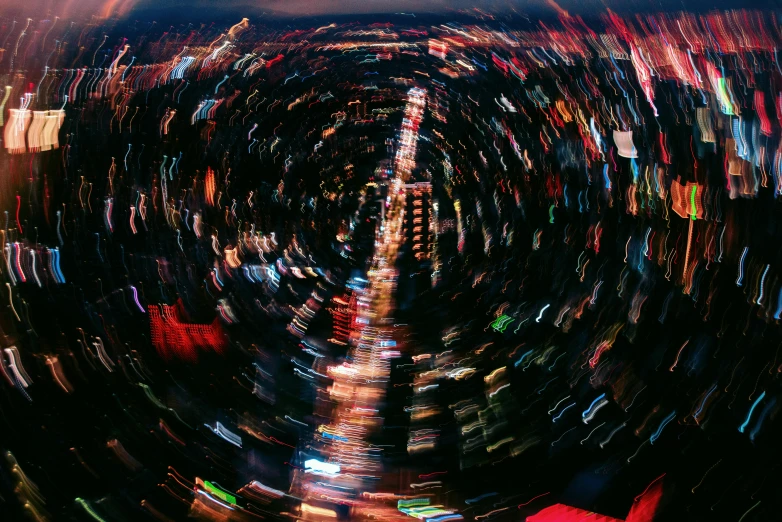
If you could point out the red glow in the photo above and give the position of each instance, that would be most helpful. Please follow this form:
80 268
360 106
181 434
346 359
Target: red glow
563 513
173 338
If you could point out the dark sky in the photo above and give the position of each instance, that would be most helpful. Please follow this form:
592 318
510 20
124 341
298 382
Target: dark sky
250 8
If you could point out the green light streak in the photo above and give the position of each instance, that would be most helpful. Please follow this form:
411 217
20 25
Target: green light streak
91 512
219 493
692 202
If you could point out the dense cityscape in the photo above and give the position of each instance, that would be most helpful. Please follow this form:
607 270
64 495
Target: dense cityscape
460 265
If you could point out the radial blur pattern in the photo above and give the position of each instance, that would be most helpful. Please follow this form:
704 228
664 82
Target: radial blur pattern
466 265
